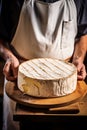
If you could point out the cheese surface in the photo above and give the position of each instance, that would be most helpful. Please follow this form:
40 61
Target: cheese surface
46 77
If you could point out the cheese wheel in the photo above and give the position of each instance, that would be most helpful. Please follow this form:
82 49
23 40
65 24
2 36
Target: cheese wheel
47 77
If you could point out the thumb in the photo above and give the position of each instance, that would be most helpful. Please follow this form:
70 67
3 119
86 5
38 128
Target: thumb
79 67
15 72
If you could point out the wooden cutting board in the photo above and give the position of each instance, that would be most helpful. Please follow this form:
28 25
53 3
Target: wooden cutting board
14 93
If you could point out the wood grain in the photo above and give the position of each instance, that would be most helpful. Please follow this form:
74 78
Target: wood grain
14 93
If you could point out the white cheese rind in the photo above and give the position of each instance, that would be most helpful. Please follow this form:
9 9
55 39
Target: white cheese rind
46 77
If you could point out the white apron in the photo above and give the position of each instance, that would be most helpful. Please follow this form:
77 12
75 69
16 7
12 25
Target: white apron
46 29
8 110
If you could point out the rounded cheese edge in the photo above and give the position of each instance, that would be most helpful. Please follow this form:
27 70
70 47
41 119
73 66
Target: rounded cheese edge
47 88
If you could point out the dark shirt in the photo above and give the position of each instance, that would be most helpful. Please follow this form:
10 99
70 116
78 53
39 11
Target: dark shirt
9 16
81 16
10 11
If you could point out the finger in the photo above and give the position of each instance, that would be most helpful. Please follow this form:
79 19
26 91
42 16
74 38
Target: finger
79 68
6 69
83 71
79 77
11 78
15 72
82 74
14 69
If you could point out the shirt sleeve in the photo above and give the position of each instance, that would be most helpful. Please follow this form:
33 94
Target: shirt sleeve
9 16
81 17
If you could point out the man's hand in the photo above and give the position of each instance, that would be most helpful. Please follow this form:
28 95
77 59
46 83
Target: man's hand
79 56
81 70
10 69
